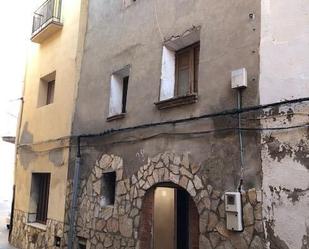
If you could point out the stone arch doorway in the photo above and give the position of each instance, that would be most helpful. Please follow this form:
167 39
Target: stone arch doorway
169 219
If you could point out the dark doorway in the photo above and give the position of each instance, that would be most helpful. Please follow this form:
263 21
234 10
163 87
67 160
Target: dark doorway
182 219
169 219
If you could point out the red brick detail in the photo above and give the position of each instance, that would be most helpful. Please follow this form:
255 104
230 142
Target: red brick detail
193 225
146 222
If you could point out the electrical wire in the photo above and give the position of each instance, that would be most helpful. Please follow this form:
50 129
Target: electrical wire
157 20
162 134
198 133
204 116
178 121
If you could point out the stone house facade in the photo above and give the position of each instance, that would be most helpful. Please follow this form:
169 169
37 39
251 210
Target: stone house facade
158 135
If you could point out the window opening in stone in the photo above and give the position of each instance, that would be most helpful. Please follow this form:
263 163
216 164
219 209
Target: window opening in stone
82 243
108 187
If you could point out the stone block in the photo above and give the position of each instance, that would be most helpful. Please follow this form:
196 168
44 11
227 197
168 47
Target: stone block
252 196
204 242
257 243
195 168
214 239
191 189
185 172
212 221
105 161
185 160
197 182
248 215
125 226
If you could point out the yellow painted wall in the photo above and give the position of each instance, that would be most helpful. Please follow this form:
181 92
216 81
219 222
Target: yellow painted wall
40 127
61 53
41 163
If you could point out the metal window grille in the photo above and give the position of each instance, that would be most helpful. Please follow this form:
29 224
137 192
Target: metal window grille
49 10
42 205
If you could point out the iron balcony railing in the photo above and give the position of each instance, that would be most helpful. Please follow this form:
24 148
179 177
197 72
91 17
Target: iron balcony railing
47 12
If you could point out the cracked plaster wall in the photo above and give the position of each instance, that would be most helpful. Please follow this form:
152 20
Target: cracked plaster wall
285 154
285 161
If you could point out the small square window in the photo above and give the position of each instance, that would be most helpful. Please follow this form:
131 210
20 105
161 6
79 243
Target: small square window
57 241
47 89
119 92
82 243
108 187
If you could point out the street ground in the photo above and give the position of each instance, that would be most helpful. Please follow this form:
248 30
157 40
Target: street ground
5 208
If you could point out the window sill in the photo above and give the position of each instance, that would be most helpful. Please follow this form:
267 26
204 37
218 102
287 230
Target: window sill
45 105
177 101
115 117
37 225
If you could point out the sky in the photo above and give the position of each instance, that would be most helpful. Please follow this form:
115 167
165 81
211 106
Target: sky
15 26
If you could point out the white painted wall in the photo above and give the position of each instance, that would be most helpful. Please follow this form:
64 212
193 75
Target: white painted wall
167 74
284 50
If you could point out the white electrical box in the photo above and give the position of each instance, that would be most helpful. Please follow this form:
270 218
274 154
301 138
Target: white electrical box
233 211
239 78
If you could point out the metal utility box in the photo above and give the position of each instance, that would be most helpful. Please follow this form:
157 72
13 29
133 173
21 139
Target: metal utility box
233 211
239 78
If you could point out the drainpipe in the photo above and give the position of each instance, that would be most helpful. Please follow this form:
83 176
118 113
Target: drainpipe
241 146
73 208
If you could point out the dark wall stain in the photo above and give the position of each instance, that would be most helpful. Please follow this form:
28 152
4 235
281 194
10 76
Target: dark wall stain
276 149
26 155
302 154
275 241
289 114
26 136
56 157
295 194
275 112
275 190
305 240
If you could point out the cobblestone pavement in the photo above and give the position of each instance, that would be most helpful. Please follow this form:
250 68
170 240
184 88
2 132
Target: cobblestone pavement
4 211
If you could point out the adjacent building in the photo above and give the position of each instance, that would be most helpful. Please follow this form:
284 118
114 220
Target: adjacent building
43 140
145 122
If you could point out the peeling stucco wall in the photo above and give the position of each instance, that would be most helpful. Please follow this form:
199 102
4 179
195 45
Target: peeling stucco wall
285 153
285 162
283 50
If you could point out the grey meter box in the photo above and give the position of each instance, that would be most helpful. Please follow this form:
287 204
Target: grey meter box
233 211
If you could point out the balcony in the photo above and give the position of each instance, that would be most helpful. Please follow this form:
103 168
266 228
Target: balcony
46 20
